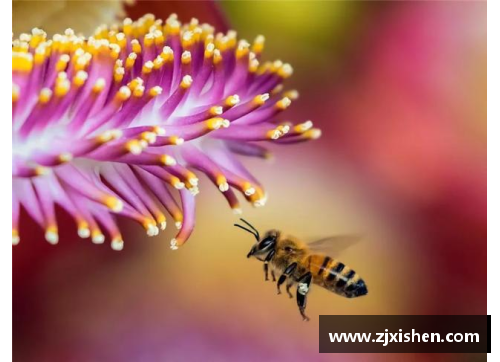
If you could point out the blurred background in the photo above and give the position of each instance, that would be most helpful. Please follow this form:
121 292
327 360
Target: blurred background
399 90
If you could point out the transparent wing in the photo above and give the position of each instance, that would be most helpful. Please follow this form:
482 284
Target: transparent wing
334 245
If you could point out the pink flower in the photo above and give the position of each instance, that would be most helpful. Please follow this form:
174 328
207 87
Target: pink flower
115 124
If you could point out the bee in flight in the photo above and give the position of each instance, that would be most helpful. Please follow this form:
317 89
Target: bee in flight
305 263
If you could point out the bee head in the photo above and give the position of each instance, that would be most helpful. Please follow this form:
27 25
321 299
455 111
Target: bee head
262 248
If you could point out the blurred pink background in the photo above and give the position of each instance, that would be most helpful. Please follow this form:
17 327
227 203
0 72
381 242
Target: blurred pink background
399 90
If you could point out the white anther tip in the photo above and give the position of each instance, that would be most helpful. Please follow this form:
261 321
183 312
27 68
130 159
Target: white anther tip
118 207
275 135
315 133
179 185
52 237
98 239
161 131
151 230
117 244
135 149
83 233
224 187
250 191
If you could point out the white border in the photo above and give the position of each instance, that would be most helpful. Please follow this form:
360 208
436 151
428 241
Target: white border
493 180
493 174
6 184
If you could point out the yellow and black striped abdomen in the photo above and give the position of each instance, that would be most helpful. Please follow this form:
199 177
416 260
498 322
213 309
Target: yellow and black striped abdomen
335 276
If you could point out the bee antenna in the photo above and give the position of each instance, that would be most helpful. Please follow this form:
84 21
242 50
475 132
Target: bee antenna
251 226
250 231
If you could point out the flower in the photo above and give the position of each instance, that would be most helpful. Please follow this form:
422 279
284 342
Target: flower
103 125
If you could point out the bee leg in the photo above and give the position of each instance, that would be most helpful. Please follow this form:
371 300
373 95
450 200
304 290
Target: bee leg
302 289
273 275
288 286
288 271
266 264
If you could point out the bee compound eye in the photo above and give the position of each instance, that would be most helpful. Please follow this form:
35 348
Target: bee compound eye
266 243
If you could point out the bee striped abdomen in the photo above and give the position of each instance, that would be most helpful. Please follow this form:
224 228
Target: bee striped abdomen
335 276
325 265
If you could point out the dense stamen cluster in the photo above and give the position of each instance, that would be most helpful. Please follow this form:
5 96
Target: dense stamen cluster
117 122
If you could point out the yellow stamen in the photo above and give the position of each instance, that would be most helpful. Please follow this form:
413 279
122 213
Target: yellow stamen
62 63
258 44
175 140
51 234
283 104
123 93
130 61
136 46
99 85
97 236
149 137
135 83
80 78
22 62
15 237
134 147
167 54
113 203
273 134
65 157
186 58
217 57
83 229
168 160
209 50
45 95
221 182
253 65
147 67
15 92
261 99
292 94
118 74
215 111
233 100
214 123
117 243
302 127
155 91
243 49
313 133
186 82
285 71
138 91
41 170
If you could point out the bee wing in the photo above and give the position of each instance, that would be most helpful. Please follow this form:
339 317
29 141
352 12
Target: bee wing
334 245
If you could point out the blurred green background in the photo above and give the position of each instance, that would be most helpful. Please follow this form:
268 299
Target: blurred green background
399 89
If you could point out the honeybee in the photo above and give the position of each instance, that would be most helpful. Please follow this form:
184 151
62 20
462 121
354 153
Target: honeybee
305 263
